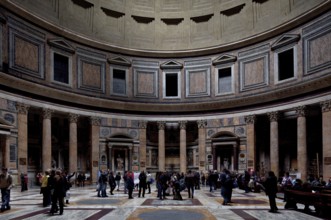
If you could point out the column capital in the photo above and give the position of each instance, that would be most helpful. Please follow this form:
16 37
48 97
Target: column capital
182 124
301 111
142 124
22 108
161 125
73 118
273 116
95 120
250 119
202 123
47 113
326 106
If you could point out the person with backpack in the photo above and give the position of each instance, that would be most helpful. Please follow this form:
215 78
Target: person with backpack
6 183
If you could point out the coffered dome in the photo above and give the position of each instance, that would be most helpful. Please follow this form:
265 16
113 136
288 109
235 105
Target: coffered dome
168 28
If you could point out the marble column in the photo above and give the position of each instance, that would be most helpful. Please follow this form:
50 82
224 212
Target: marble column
142 147
302 141
202 144
6 151
182 146
110 159
47 139
130 151
73 119
251 141
161 126
274 148
22 137
95 134
326 136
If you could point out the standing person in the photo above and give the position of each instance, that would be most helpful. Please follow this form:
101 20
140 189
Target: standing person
246 179
24 184
226 186
103 184
189 182
45 190
6 183
286 183
112 183
118 180
60 188
130 184
212 180
271 190
149 181
125 178
142 183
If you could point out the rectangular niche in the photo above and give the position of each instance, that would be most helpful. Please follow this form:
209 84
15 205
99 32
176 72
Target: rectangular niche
91 71
145 79
317 46
26 49
254 68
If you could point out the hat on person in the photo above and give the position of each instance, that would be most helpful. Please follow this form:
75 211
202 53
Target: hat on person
4 169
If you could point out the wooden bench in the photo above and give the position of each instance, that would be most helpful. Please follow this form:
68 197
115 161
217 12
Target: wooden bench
321 200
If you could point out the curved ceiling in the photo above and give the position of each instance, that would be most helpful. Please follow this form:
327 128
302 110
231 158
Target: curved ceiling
168 28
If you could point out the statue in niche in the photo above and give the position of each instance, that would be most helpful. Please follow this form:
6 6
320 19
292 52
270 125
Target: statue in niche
190 158
120 162
154 160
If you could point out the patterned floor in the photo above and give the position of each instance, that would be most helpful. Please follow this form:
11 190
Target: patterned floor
84 204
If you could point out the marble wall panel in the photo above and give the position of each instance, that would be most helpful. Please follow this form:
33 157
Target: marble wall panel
145 79
254 72
320 50
26 48
91 69
197 78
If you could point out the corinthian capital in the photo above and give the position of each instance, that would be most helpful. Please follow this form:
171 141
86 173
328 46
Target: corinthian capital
202 123
326 106
250 119
273 116
47 113
22 108
161 125
142 124
182 124
95 121
73 118
301 111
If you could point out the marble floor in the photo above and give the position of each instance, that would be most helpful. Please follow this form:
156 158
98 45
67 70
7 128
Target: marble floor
84 204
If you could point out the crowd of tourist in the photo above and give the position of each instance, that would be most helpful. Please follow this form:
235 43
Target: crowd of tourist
55 185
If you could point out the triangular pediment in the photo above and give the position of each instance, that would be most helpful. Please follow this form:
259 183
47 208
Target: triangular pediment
62 44
121 61
285 40
171 65
226 58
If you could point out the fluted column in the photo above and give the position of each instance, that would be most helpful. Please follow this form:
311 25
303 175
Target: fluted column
161 126
251 141
47 139
274 148
326 132
182 146
22 137
95 133
142 141
302 141
73 119
202 143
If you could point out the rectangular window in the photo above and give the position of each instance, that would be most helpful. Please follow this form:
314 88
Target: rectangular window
225 80
285 64
171 89
61 68
12 152
119 81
